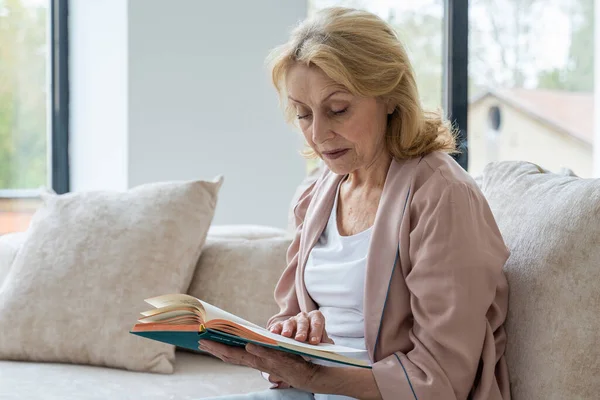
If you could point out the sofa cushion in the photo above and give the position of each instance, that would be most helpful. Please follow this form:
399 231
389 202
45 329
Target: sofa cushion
246 232
78 283
240 276
551 223
195 377
9 247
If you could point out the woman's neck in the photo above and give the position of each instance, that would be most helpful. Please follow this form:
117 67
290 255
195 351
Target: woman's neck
371 177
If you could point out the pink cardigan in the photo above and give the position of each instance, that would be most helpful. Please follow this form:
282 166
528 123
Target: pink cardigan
436 296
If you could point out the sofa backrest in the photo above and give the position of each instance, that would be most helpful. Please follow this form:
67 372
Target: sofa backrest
239 268
551 224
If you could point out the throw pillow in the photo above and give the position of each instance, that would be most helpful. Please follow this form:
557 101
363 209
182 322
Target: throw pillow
551 223
9 247
79 282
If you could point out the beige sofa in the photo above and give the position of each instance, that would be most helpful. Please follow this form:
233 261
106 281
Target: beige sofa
551 223
230 260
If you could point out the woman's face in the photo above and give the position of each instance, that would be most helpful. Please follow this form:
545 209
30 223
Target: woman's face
346 131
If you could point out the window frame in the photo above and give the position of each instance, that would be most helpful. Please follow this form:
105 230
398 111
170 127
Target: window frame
59 84
455 96
58 138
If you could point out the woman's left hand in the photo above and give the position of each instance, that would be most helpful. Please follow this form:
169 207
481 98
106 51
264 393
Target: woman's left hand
291 369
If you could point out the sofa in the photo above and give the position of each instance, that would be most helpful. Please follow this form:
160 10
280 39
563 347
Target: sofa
550 222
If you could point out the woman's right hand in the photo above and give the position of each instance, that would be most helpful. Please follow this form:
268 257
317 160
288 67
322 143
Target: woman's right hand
304 326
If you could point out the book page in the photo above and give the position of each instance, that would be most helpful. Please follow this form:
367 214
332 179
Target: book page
174 299
346 358
176 307
209 312
213 312
328 347
169 315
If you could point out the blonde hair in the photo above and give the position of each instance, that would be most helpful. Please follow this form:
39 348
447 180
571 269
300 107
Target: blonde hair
360 51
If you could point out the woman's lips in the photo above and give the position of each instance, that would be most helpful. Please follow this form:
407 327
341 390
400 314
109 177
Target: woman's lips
332 155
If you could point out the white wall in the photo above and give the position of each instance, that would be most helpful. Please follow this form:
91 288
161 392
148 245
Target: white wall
201 103
198 101
98 94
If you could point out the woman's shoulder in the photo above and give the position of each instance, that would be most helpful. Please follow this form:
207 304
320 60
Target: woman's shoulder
437 173
441 166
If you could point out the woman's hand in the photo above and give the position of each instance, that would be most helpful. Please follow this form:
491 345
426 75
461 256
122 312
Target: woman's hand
304 326
287 369
293 371
277 382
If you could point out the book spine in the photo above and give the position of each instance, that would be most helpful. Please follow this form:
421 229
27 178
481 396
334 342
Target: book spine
228 340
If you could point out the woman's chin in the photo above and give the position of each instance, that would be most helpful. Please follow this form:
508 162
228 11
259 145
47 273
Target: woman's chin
337 168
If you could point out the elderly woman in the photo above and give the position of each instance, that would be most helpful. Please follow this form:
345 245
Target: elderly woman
396 250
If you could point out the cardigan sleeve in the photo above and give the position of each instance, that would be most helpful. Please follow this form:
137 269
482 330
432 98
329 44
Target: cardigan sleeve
456 254
285 291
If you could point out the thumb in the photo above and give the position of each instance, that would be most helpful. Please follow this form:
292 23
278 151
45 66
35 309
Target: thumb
275 379
326 338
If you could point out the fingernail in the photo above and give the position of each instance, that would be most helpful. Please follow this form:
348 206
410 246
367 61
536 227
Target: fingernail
286 331
313 339
274 386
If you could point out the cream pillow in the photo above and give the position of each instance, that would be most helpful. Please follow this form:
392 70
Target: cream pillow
79 281
551 223
9 247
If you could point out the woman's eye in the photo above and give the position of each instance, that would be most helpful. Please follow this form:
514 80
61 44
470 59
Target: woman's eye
339 112
302 116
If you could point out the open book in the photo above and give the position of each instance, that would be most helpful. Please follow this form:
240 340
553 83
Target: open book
183 320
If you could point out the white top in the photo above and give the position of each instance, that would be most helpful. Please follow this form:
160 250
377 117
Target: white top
335 280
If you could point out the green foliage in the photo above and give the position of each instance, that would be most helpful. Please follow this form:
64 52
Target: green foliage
23 95
553 79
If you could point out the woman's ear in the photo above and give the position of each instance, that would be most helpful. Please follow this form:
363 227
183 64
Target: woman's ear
390 107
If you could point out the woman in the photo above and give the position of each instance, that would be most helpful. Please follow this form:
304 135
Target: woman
396 248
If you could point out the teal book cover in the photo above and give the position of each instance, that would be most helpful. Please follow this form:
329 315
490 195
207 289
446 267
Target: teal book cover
189 340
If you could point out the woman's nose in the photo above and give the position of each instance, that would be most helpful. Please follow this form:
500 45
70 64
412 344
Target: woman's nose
321 131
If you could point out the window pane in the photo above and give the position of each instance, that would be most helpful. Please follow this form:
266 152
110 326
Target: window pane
531 83
419 24
24 54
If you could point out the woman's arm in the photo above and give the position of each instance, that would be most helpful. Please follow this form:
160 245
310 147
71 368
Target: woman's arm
297 372
456 259
358 383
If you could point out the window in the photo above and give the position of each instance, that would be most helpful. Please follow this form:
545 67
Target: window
523 65
33 104
533 61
